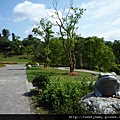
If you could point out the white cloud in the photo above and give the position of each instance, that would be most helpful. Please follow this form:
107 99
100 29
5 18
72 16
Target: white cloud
111 35
87 26
101 19
31 11
116 22
28 10
99 8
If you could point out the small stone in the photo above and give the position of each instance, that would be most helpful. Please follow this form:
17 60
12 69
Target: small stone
29 66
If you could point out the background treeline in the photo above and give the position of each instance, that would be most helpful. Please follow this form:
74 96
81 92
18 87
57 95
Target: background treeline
90 53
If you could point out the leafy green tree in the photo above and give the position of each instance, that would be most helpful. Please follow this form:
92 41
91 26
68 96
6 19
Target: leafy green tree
30 37
79 48
5 33
57 56
33 47
17 45
45 31
38 52
29 51
5 44
116 50
26 42
13 36
67 31
91 51
30 41
109 43
106 58
97 55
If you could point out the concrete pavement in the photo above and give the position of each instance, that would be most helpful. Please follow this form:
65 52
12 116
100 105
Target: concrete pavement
13 90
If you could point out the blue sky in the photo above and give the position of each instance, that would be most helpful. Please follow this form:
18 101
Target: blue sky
101 18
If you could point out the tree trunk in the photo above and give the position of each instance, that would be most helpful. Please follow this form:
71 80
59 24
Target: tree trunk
45 65
81 63
72 61
71 68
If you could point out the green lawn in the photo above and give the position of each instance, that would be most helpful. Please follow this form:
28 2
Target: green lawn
14 59
55 73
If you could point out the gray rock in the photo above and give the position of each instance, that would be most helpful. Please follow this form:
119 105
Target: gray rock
101 105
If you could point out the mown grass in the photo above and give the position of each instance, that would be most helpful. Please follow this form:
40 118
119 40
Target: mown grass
55 73
13 59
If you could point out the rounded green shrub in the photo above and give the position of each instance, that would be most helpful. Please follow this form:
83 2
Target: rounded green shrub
64 95
40 81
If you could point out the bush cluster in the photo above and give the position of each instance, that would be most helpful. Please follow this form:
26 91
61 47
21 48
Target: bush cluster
40 81
62 95
115 68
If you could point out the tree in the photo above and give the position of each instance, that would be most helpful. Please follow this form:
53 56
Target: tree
106 58
17 45
79 48
5 45
67 30
109 43
5 33
116 50
57 56
97 55
45 31
92 46
13 37
30 37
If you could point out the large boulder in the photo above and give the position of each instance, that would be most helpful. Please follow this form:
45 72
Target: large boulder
101 105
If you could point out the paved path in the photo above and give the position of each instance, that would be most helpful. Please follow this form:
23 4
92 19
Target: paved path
13 89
